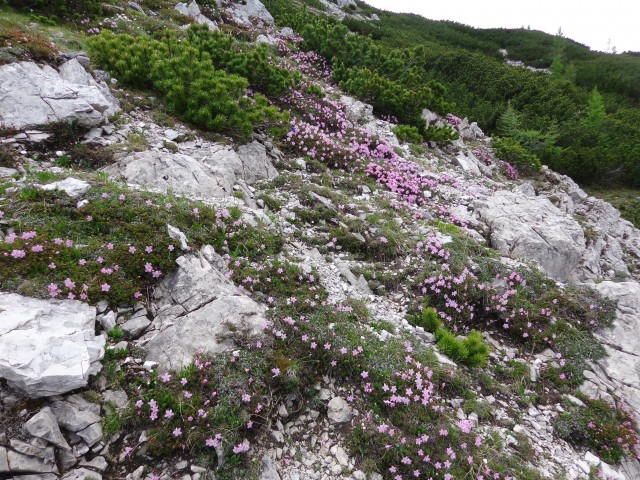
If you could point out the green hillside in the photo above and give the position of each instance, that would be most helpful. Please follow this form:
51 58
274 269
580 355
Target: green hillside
557 114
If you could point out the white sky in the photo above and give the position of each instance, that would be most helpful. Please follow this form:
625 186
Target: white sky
589 22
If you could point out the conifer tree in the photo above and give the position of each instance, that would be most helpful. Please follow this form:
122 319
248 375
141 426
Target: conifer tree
595 108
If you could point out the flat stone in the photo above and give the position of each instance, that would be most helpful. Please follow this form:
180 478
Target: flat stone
4 461
72 418
117 397
71 186
45 425
82 474
97 463
19 462
268 469
339 411
92 434
6 172
134 327
47 347
32 96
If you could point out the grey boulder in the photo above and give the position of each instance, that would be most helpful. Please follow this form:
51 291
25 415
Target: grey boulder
193 10
621 367
530 227
250 12
47 347
339 411
256 165
45 425
31 95
198 307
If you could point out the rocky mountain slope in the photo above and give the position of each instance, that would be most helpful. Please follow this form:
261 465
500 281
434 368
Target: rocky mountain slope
330 303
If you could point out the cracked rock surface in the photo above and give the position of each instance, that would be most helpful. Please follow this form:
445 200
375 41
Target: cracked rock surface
47 347
31 95
197 309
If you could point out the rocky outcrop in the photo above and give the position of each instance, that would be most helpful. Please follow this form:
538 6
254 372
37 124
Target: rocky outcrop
523 225
47 347
250 12
198 308
207 172
613 242
619 373
178 172
31 95
193 10
256 165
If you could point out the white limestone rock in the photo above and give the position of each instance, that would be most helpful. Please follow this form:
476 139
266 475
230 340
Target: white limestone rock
339 411
256 165
197 309
173 171
47 347
622 342
249 12
71 186
193 10
31 95
530 227
45 425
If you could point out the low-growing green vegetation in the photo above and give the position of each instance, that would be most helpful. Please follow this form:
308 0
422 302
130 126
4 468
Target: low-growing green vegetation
607 429
115 247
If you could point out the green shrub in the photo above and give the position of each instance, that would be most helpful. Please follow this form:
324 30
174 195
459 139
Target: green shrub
183 73
510 150
599 426
60 8
440 134
427 319
470 351
407 133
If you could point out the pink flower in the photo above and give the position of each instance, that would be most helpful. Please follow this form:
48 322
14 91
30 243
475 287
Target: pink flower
69 284
18 253
177 432
241 448
82 261
105 287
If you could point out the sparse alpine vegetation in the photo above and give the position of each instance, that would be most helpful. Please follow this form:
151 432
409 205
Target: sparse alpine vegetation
348 303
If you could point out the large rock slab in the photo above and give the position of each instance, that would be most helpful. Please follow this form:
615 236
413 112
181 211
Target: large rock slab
621 368
47 347
525 226
45 425
181 173
72 71
256 165
249 12
193 10
31 95
209 171
198 307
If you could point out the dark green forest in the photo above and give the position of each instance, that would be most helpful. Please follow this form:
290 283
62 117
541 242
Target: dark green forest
582 118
